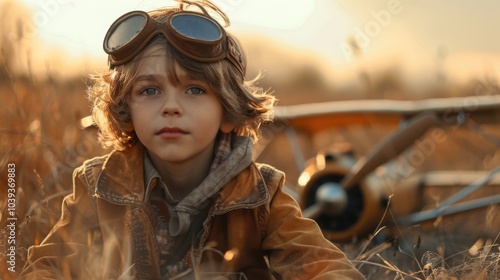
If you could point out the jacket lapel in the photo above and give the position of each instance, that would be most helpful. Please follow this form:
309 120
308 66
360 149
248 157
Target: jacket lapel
126 222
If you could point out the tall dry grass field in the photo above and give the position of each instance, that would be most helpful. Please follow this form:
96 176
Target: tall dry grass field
39 135
41 141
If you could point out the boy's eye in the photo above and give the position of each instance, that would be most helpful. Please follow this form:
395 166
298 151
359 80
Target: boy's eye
149 91
195 90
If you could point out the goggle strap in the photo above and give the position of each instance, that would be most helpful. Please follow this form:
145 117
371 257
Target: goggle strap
235 55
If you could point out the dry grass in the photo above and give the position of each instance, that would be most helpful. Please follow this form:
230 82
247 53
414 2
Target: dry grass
443 251
40 134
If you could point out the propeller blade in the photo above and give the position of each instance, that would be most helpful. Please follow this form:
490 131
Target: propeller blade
390 147
313 211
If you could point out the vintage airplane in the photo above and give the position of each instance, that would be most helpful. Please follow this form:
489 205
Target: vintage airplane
348 195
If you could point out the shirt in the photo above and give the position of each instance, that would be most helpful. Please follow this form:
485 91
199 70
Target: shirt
173 251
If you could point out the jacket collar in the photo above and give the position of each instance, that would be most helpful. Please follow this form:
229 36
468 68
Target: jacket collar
122 178
248 190
122 181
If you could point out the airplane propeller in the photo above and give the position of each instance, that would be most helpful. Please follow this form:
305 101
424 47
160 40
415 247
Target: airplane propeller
332 198
392 146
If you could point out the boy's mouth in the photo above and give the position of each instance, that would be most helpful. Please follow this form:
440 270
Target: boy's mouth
171 132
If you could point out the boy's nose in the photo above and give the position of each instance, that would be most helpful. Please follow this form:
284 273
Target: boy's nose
171 106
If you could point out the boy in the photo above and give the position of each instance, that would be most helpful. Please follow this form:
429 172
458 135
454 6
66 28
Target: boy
179 197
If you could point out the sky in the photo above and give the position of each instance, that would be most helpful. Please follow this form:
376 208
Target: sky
458 36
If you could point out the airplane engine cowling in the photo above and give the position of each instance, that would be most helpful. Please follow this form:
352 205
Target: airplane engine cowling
345 214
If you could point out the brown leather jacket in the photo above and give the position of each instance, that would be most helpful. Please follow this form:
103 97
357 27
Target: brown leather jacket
254 230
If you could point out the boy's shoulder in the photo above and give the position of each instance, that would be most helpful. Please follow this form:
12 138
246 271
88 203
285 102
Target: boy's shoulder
272 176
91 168
95 162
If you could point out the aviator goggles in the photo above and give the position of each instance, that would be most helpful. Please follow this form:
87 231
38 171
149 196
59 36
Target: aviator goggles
193 34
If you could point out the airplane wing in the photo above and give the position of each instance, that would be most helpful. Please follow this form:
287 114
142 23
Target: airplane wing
314 117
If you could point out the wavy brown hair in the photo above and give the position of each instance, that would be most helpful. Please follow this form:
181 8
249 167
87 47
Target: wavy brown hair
245 104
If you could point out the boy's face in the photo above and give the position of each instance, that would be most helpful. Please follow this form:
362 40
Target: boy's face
176 123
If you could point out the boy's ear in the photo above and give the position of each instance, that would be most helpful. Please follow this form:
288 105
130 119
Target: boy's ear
227 126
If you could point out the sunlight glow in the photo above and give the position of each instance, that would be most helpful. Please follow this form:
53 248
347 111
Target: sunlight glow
277 14
344 35
229 255
79 26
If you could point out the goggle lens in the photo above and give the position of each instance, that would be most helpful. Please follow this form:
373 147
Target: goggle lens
196 27
126 31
